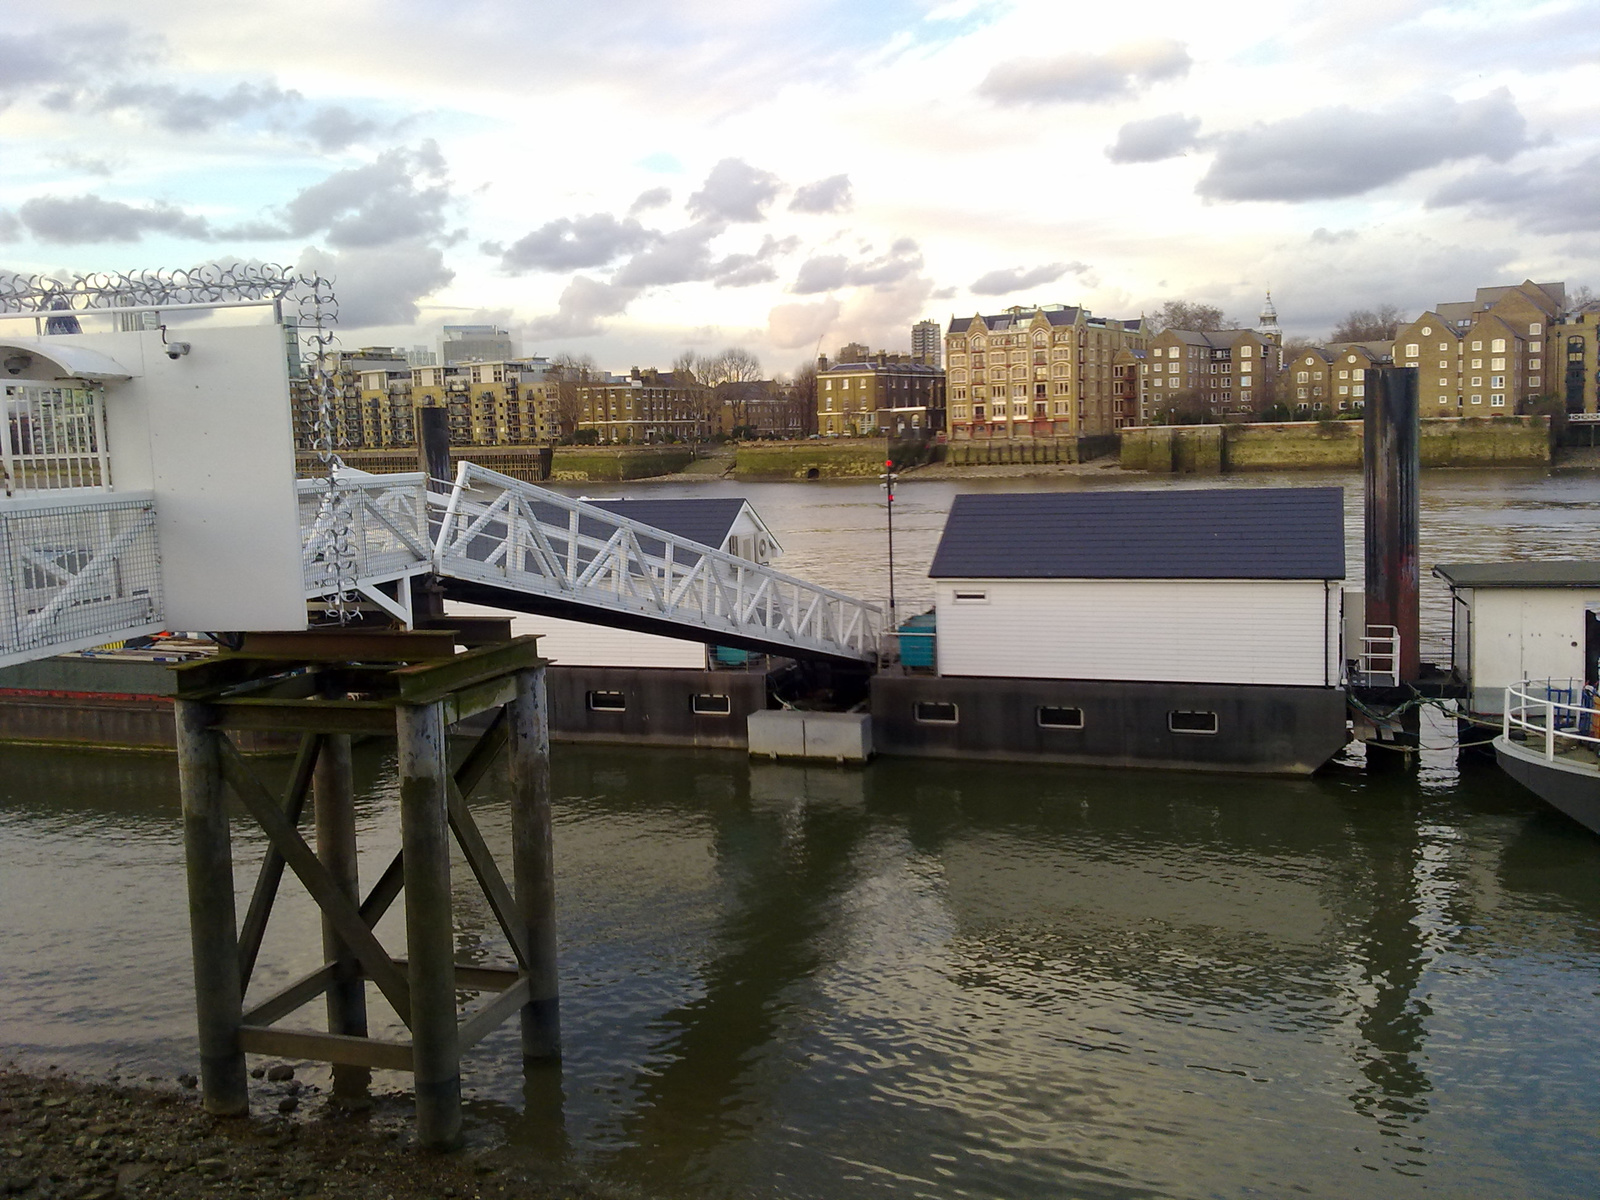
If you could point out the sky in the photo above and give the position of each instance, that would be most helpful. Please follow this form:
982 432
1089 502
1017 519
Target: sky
630 179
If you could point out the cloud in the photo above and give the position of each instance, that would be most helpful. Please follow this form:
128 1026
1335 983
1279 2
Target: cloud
734 191
73 161
1544 200
656 197
334 127
1154 139
400 195
75 220
583 302
10 227
824 196
1331 152
380 285
682 256
793 325
825 272
1015 279
183 110
568 243
1085 78
745 270
66 54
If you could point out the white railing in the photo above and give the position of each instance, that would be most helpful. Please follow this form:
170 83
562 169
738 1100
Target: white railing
75 572
52 438
365 530
1562 713
499 531
1379 660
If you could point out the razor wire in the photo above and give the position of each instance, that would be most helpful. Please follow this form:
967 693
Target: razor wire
316 312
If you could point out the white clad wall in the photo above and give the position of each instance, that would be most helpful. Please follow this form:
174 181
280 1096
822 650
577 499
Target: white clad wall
211 434
1181 631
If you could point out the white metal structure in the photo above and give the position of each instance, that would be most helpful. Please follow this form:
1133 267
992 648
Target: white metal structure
365 533
1553 715
53 437
508 535
1379 660
77 571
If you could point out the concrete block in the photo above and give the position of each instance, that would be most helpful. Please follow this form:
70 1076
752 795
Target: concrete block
777 733
840 736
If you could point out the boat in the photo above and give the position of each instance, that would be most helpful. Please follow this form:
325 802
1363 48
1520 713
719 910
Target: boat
1548 743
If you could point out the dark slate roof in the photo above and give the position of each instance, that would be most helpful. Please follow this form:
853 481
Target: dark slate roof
705 520
1560 573
1222 533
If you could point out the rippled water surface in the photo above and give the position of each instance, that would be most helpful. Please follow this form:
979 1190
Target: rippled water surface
926 979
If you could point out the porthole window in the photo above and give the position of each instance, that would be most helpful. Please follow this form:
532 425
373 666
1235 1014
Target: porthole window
709 704
607 702
936 712
1179 721
1056 716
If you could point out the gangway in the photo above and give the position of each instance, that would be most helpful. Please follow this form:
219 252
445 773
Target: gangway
513 545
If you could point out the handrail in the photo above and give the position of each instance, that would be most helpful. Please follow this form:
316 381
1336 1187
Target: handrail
1560 723
507 533
1380 643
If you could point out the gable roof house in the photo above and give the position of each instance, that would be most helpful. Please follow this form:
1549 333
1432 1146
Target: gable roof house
1191 628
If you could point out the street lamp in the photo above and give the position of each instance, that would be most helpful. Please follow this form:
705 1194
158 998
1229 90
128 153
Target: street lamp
889 478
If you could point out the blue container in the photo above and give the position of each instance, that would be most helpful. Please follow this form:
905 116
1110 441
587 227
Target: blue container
917 641
729 656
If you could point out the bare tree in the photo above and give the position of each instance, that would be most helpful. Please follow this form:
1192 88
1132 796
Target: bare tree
733 365
1369 325
1580 298
688 363
1185 314
803 395
569 371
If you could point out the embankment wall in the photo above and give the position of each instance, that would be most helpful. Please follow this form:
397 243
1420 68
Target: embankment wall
1329 445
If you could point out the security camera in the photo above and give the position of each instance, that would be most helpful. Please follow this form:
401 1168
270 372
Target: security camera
18 363
176 350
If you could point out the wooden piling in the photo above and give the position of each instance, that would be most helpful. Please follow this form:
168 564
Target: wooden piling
208 856
430 940
333 787
533 863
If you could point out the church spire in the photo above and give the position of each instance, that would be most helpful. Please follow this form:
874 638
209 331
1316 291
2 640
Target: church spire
1269 320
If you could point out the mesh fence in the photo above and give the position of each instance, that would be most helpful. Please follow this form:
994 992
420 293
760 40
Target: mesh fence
74 571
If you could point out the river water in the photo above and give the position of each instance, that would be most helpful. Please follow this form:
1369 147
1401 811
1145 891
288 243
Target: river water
934 979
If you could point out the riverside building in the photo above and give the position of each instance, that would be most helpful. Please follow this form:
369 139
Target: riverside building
1041 372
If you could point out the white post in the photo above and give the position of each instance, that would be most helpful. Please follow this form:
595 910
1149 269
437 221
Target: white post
1549 730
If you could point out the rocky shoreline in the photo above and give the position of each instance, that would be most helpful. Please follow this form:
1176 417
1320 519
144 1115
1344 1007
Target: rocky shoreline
62 1137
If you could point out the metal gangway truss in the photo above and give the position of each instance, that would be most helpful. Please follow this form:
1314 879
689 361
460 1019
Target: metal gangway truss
510 544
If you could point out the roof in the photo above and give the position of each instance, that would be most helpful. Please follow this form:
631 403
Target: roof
1222 533
1559 573
706 520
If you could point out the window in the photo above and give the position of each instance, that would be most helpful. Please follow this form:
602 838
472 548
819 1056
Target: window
1191 722
1533 364
967 596
1246 351
1412 349
1497 364
1533 381
709 704
1444 364
1535 329
606 702
1302 377
1498 346
1477 345
1477 400
1497 400
1477 381
1426 330
1052 716
935 712
1497 381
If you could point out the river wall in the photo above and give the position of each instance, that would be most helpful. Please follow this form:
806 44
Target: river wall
1330 445
572 463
